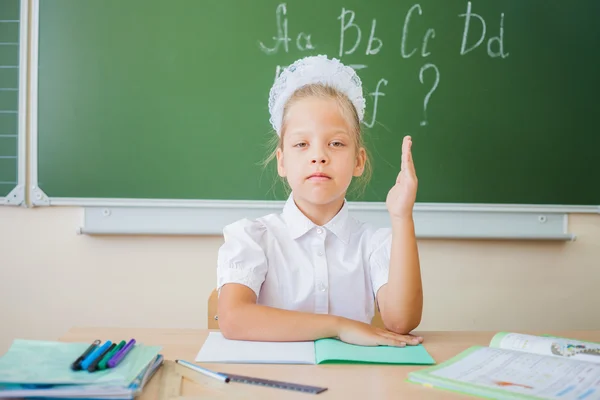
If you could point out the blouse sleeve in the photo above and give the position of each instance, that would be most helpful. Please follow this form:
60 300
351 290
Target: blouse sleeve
241 259
379 261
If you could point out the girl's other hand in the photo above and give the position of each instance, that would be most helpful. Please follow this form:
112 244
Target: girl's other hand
359 333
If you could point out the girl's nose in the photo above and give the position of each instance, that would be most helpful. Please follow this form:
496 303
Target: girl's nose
319 155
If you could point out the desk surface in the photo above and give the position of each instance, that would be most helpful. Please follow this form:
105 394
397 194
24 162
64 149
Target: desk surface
343 381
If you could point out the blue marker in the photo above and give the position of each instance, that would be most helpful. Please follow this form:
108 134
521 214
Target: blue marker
90 359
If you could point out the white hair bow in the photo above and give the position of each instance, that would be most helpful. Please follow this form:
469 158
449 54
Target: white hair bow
314 69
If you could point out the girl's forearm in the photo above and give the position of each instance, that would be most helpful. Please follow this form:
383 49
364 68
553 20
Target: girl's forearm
402 301
261 323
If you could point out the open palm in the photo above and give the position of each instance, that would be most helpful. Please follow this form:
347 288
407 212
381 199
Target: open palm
401 197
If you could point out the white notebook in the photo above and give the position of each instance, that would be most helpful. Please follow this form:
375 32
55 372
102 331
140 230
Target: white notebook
217 349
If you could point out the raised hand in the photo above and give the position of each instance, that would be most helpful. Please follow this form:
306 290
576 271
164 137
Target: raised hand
401 197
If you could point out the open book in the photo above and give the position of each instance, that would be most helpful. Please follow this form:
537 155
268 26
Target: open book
217 349
518 366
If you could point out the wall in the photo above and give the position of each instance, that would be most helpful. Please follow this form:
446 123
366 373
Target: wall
52 279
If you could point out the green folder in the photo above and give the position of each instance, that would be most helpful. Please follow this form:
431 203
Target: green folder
336 351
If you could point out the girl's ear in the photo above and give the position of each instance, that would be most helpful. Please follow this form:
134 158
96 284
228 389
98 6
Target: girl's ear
280 167
361 159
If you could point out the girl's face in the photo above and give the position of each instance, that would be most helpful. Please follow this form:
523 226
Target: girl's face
319 156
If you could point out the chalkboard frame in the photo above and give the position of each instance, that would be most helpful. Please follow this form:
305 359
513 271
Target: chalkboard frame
16 197
208 217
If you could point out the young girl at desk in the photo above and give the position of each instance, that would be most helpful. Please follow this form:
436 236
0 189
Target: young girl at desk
313 271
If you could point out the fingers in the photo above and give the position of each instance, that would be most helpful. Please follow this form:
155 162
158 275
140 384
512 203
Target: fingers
394 339
386 341
410 166
406 145
407 164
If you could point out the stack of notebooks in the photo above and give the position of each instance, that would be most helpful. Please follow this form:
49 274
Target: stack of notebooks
42 369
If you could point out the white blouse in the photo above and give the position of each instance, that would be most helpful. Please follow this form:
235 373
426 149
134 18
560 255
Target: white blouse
293 264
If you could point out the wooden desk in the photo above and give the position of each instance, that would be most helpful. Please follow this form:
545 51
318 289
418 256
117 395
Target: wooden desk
343 381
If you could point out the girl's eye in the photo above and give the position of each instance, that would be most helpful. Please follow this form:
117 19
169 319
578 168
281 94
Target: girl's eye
337 144
302 144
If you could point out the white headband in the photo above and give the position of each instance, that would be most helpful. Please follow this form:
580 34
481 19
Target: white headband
314 69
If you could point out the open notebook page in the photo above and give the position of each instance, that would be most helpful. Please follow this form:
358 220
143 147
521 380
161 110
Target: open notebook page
548 346
502 374
218 349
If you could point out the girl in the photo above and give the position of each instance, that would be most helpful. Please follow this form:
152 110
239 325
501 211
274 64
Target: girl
313 271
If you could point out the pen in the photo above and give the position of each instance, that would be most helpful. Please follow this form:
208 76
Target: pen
110 354
207 372
99 350
94 365
119 355
77 363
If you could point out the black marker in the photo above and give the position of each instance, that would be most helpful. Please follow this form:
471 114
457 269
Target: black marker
76 366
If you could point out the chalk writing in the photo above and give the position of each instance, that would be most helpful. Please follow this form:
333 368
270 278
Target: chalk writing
307 43
351 39
303 40
405 31
498 39
376 96
435 85
430 34
372 38
282 32
345 26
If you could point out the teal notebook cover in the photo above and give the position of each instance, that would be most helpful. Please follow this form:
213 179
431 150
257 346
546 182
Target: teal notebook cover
336 351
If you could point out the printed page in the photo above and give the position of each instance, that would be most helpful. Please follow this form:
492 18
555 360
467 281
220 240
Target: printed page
548 346
526 374
217 349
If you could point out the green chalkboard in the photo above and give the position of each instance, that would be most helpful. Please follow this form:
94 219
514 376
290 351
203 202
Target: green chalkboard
9 95
160 99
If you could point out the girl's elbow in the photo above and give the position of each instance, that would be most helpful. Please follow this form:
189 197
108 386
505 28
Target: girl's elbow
229 326
402 326
230 330
225 328
400 329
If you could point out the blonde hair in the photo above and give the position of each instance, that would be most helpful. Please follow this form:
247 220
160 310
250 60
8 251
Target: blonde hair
348 111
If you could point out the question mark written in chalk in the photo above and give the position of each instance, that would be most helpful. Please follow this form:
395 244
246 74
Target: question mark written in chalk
435 85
